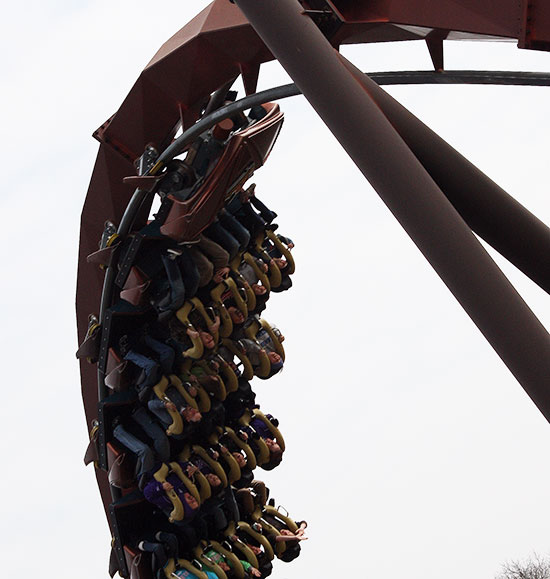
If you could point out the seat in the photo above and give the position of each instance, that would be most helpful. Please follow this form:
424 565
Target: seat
262 453
160 389
205 492
253 329
231 532
240 443
89 348
241 282
121 466
130 518
273 521
178 384
232 560
214 465
207 562
258 537
197 349
261 275
177 422
107 409
273 429
231 379
116 377
283 249
215 386
234 473
274 273
170 569
247 370
138 563
177 513
223 291
135 287
198 306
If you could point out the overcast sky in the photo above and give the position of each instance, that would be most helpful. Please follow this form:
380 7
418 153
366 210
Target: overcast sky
412 451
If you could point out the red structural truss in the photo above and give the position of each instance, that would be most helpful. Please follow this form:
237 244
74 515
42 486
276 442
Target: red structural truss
221 43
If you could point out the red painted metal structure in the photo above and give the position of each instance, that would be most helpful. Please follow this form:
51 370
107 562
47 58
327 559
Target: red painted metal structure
220 44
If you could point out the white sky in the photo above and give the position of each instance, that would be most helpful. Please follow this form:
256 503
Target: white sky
412 451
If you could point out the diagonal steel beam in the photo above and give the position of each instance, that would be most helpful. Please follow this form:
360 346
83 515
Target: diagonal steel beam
493 214
408 190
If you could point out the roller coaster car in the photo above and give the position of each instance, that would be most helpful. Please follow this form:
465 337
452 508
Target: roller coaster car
245 152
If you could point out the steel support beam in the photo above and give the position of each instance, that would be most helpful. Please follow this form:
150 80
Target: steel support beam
344 104
489 211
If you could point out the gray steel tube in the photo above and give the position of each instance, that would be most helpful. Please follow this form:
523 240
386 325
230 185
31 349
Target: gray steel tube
410 193
491 212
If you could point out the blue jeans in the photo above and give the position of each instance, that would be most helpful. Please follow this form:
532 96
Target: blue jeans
189 272
165 353
237 230
265 212
176 296
154 431
217 232
149 367
145 456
